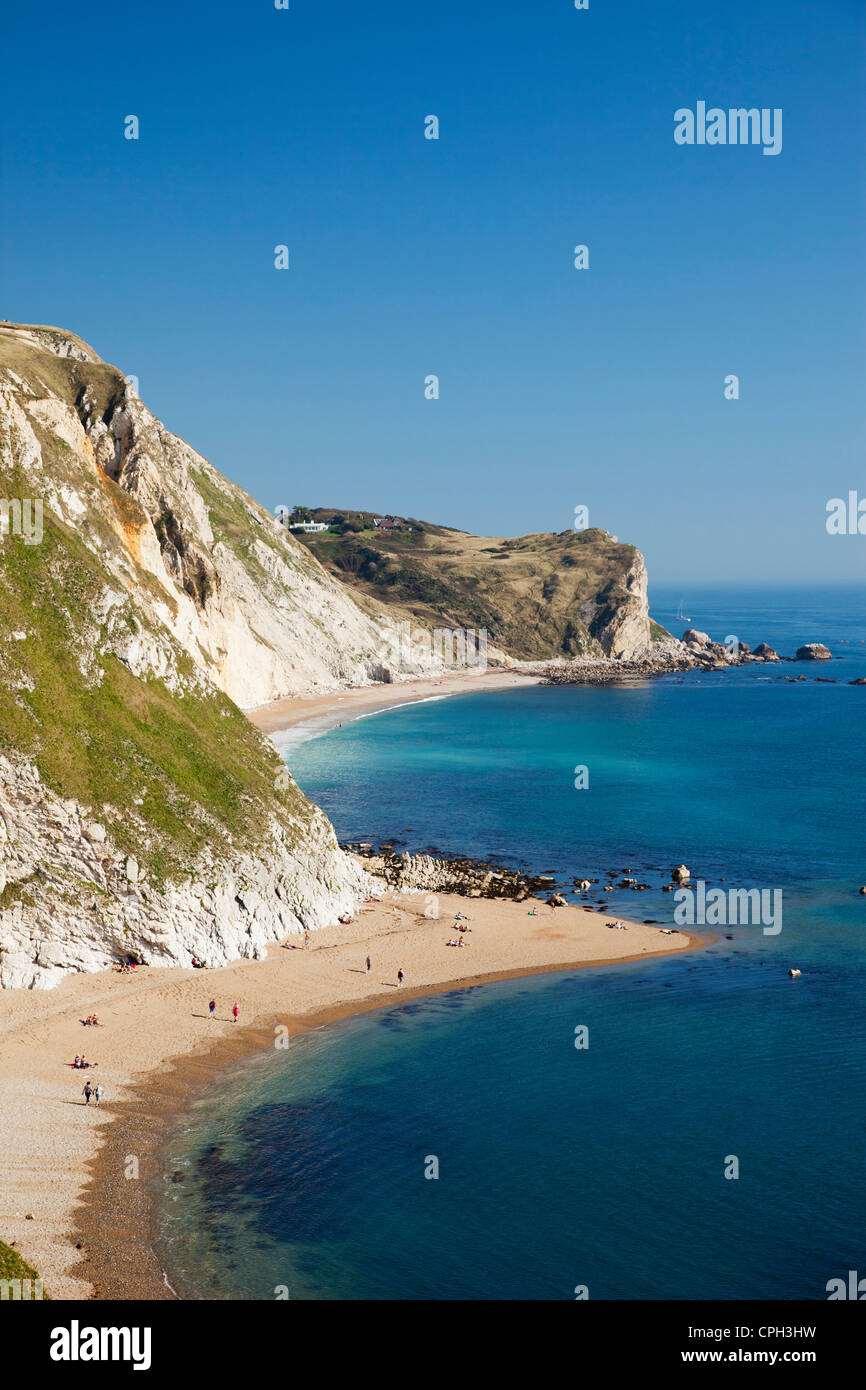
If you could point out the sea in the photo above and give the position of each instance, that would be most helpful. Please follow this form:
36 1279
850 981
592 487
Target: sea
690 1128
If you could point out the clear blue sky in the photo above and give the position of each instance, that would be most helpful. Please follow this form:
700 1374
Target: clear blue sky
409 256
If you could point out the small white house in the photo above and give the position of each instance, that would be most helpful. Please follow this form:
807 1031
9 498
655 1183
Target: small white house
308 526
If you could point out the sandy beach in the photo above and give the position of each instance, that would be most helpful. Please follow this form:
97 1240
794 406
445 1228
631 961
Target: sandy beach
67 1200
320 712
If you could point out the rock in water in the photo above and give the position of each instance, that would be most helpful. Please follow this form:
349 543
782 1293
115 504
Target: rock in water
814 651
766 652
681 874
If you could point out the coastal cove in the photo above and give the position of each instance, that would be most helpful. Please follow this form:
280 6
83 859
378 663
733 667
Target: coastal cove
432 679
607 1167
660 1089
155 1048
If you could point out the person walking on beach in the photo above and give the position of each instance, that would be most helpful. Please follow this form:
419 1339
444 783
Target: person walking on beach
87 1092
235 1011
399 977
212 1007
306 941
97 1095
368 965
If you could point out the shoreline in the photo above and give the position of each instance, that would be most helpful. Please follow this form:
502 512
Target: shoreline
92 1228
124 1258
296 718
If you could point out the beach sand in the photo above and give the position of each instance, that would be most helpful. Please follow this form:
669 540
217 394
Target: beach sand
64 1165
321 712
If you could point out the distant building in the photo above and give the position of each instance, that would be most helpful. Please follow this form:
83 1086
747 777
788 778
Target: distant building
308 526
390 523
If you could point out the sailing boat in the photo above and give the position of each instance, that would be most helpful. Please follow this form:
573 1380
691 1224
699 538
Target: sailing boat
681 616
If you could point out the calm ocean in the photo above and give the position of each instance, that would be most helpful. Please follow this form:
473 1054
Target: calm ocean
559 1167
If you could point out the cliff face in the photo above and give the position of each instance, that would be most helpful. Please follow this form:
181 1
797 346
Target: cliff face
140 812
248 604
618 619
75 897
540 597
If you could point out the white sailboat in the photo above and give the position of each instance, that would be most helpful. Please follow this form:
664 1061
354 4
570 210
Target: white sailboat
681 616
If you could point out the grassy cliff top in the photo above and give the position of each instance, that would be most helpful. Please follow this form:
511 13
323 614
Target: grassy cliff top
538 596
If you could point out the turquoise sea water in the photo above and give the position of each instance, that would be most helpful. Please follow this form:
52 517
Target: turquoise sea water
560 1167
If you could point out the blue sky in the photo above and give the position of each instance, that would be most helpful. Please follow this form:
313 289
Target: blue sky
558 387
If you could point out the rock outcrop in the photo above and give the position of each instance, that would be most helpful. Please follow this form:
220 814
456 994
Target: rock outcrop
696 651
814 651
431 874
73 899
621 622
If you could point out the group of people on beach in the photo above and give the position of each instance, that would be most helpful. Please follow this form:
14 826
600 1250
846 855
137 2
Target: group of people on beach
97 1092
235 1009
460 922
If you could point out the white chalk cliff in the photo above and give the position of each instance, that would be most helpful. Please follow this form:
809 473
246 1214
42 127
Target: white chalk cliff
157 589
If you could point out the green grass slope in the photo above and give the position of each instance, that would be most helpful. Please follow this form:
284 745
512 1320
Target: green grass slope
169 770
12 1266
